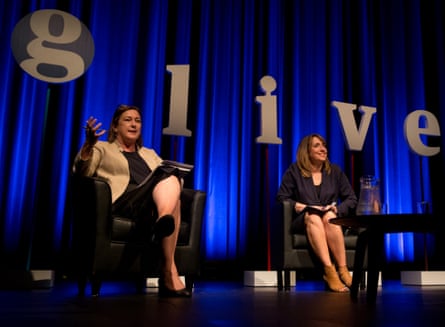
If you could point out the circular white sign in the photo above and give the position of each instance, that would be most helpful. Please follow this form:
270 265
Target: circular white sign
52 46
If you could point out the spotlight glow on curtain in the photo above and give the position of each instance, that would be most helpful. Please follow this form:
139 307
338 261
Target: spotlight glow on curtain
385 54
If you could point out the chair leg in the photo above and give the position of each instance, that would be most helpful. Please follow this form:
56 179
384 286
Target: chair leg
141 284
287 280
189 281
280 280
81 285
96 283
363 281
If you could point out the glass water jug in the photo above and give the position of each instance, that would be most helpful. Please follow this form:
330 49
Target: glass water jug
369 201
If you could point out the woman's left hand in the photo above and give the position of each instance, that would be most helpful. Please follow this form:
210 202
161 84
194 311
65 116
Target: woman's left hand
331 207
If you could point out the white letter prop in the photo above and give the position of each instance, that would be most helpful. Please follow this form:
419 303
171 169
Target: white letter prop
177 123
354 138
52 46
412 132
268 104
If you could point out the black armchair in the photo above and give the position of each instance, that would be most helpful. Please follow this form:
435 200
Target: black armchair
296 253
106 245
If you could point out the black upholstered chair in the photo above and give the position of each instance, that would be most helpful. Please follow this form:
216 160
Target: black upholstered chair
106 246
296 253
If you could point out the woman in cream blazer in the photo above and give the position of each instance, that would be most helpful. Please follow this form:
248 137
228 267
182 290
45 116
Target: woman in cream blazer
128 168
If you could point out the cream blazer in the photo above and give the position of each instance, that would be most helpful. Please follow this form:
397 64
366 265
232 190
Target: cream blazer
108 162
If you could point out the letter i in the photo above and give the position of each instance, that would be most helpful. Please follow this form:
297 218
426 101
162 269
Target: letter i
268 103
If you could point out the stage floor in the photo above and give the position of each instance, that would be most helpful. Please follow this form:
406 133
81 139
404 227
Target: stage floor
223 304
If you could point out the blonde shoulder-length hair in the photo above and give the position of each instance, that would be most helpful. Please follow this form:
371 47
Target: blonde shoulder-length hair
303 158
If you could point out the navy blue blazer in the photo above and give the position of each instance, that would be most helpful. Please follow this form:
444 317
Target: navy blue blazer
334 187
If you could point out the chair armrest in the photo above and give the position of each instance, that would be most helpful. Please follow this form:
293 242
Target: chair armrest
192 210
288 212
91 209
188 256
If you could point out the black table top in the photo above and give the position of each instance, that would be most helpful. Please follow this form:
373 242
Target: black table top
393 223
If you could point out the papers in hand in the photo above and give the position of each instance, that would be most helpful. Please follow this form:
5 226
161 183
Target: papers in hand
320 209
183 168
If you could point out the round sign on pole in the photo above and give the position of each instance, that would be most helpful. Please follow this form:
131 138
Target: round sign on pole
52 46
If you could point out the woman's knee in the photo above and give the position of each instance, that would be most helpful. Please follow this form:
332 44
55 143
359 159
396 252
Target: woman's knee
167 190
334 230
312 221
170 183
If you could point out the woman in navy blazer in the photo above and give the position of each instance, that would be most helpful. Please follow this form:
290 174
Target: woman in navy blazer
319 191
125 164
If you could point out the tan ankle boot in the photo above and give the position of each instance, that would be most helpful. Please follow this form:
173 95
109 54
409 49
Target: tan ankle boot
331 278
345 276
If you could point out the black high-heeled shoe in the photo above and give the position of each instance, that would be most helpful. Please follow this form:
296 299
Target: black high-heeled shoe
164 291
163 227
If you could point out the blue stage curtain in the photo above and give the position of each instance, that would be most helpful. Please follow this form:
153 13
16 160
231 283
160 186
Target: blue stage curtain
384 54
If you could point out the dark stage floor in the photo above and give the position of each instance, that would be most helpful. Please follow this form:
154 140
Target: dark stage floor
223 304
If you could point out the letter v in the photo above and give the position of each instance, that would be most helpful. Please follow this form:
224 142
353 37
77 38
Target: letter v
355 138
